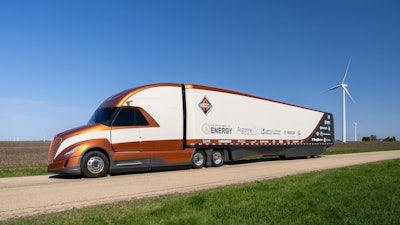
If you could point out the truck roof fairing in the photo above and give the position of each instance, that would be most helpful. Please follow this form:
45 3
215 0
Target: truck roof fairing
120 98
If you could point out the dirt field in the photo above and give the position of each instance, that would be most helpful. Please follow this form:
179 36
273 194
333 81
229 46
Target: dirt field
23 153
34 153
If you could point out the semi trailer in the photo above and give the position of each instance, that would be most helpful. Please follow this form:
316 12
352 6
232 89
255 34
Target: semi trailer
166 125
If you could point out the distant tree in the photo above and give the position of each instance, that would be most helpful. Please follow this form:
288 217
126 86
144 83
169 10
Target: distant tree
393 138
372 137
387 139
366 139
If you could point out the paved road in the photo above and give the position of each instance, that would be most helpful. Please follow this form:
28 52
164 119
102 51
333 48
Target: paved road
26 196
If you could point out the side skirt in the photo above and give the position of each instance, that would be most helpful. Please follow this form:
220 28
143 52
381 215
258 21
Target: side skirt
287 151
144 165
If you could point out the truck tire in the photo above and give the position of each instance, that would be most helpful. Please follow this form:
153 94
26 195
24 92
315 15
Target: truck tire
95 164
217 158
198 159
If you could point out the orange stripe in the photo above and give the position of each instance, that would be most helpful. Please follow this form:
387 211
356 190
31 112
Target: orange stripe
149 146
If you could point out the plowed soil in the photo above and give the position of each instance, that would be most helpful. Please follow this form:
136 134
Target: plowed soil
23 153
34 153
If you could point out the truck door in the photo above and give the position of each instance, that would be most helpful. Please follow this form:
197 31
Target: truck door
126 137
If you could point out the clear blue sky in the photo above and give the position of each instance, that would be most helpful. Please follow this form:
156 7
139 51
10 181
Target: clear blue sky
60 59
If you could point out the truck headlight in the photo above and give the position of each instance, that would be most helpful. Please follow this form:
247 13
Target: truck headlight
72 151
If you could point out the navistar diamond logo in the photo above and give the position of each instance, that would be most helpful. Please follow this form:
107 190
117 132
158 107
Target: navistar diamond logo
205 105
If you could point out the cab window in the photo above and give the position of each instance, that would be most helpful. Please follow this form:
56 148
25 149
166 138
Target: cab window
130 117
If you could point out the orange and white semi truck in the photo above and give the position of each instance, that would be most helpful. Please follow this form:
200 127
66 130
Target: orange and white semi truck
167 125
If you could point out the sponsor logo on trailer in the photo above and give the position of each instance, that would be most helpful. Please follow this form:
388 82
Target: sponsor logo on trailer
289 133
205 128
247 131
270 132
216 129
221 130
317 139
205 105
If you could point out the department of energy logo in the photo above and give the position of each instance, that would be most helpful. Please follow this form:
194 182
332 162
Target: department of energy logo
205 128
205 105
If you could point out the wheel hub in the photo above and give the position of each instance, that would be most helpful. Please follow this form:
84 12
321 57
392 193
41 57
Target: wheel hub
217 158
95 164
198 159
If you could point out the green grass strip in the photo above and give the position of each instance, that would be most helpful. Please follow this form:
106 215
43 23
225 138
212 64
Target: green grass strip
346 151
367 194
20 172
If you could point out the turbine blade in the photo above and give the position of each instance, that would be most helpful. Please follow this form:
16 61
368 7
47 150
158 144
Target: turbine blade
348 93
333 88
347 69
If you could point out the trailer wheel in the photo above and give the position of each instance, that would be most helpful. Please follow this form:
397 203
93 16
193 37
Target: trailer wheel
198 159
217 158
95 164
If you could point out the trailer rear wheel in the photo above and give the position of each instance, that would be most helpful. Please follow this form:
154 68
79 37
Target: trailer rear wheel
217 158
95 164
198 159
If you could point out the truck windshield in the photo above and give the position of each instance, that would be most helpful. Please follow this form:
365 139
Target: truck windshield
103 116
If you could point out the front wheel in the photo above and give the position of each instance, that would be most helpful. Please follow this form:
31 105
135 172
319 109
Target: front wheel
95 164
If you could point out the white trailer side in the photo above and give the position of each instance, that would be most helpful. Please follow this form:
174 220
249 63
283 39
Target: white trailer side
252 125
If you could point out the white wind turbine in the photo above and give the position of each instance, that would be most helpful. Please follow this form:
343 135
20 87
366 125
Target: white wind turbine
355 131
344 92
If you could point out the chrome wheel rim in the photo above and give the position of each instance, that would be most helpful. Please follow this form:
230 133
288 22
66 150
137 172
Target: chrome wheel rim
217 158
95 165
198 159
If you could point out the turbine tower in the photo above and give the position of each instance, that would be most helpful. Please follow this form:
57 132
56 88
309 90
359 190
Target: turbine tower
355 131
344 92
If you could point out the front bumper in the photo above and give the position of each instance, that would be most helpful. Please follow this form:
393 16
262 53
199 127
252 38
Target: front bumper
69 166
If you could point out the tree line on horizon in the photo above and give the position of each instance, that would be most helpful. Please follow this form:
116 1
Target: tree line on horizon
373 137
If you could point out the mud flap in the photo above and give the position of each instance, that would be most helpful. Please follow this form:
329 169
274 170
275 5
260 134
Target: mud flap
209 157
